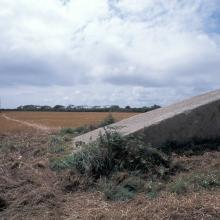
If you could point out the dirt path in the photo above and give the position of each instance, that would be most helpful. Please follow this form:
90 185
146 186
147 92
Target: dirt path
29 124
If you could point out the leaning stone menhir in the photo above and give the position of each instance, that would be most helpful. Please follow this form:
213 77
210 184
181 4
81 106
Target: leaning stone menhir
197 118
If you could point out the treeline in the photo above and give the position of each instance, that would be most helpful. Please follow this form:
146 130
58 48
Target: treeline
73 108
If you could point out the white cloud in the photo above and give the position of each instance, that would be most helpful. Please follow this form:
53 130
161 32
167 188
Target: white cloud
144 46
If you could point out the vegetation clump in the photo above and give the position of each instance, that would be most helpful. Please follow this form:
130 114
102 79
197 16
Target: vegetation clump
122 166
86 128
57 144
195 182
112 152
123 162
9 144
116 192
123 190
107 121
153 188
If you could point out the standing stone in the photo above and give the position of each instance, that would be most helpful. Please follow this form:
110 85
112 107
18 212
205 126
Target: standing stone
197 117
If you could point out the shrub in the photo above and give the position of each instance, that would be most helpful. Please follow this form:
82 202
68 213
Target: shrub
57 149
92 161
74 131
124 190
57 144
86 128
180 186
89 161
112 152
131 153
107 121
67 131
121 186
153 188
134 184
115 192
8 145
58 164
196 181
206 180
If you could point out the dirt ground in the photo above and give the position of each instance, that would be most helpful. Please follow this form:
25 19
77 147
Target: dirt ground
29 189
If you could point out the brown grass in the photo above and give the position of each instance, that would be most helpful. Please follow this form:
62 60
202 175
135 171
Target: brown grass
196 206
55 119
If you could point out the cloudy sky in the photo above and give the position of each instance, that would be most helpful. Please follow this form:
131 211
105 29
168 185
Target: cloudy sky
98 52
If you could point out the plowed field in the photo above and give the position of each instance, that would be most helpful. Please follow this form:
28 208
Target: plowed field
17 121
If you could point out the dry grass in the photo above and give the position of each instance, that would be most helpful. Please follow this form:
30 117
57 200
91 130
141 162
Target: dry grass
55 119
91 206
33 191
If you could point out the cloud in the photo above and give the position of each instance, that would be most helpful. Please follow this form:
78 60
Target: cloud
110 47
18 68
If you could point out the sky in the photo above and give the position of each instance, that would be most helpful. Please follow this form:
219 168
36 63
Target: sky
103 52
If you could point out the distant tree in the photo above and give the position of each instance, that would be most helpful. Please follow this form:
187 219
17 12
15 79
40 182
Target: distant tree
70 107
85 108
20 108
59 108
95 107
114 108
30 108
79 107
45 108
155 106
